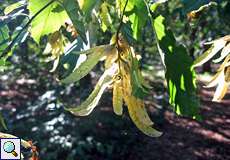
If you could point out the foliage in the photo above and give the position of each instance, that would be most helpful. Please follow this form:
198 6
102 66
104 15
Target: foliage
49 20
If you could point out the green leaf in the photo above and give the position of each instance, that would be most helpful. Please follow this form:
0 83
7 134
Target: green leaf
4 38
2 64
105 16
2 121
13 6
76 16
93 57
154 6
91 102
68 61
121 5
139 17
88 6
137 12
179 71
127 32
49 20
139 87
23 33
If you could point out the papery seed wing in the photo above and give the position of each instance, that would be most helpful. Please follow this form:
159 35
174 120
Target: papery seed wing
221 89
227 74
85 67
139 108
146 129
224 53
55 64
117 98
215 79
91 102
216 47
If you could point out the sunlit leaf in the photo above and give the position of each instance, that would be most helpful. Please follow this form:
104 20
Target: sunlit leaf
3 64
179 73
49 20
137 13
138 18
221 78
121 4
105 16
156 3
88 6
14 6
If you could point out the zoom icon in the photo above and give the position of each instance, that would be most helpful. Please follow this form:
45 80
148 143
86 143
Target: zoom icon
10 149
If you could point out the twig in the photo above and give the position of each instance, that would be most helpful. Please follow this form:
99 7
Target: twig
119 59
121 22
154 31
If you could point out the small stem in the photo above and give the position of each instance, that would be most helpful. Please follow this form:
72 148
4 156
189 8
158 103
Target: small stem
5 52
117 37
154 31
121 22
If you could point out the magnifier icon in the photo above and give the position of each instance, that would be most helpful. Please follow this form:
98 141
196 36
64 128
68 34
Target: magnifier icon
9 147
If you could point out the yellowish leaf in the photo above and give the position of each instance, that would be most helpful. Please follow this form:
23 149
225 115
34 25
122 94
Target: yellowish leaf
221 89
227 74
